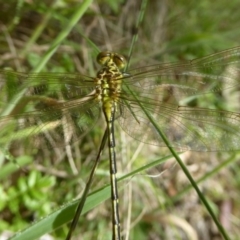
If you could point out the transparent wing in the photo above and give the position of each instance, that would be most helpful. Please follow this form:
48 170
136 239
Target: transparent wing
187 128
201 75
172 94
71 85
58 108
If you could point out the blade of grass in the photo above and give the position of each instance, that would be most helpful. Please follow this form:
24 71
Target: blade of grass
188 175
52 49
67 211
38 31
185 170
213 172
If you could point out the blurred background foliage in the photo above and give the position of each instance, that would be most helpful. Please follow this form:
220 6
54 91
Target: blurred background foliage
36 182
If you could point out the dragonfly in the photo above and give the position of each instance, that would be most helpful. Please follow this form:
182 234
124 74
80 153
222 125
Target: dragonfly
142 100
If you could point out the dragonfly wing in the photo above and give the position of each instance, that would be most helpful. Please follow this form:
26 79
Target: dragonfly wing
186 127
61 104
208 74
55 126
70 85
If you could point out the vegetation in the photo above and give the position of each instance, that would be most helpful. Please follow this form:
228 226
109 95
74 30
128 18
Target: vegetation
156 199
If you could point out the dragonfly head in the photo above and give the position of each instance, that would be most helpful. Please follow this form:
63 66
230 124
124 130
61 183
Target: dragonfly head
104 58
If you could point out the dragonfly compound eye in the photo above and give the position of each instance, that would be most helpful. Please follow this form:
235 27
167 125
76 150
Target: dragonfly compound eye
103 57
119 60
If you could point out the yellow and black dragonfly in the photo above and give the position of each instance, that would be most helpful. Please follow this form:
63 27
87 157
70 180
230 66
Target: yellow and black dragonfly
142 100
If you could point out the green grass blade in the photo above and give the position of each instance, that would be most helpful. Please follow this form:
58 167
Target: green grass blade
61 216
206 176
188 175
67 211
185 170
52 49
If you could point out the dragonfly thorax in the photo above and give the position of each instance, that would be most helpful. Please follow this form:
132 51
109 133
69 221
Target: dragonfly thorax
109 80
